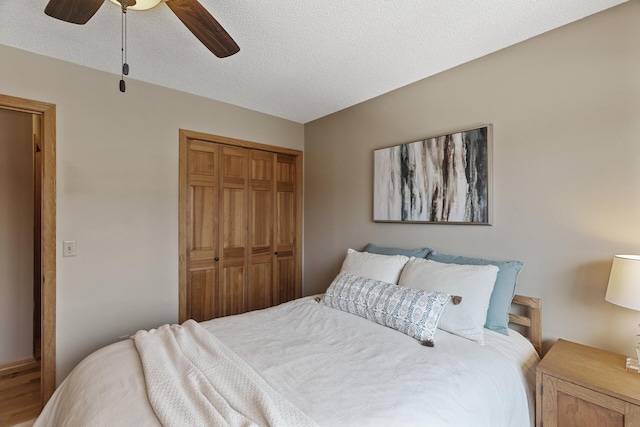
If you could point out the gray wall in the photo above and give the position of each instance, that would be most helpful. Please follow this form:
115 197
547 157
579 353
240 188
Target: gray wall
565 109
117 192
16 236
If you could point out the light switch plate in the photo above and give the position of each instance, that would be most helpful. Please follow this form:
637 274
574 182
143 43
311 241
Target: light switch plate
69 248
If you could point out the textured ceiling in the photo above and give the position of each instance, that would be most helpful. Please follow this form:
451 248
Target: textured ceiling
299 60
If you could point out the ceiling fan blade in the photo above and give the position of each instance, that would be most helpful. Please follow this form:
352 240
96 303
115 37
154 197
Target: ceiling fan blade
74 11
204 26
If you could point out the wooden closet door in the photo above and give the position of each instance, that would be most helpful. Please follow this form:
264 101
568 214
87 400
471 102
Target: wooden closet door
202 230
285 230
233 230
240 225
260 290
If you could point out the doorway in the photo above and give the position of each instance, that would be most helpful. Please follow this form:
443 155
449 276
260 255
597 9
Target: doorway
27 371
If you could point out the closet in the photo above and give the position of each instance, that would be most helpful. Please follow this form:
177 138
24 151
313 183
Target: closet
240 226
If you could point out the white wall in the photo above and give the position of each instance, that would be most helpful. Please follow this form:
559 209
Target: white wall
16 236
565 109
117 192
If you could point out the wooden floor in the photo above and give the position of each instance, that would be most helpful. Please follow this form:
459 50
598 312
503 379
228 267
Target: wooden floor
20 393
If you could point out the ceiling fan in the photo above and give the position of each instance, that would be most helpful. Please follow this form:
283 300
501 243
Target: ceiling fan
192 14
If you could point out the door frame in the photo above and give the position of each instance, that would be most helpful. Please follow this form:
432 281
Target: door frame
47 114
186 136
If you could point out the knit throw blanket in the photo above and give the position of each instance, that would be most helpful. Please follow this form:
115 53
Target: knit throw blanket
193 379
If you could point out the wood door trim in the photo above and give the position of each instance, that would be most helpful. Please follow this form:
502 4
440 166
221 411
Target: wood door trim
47 112
184 137
299 214
199 136
182 227
11 366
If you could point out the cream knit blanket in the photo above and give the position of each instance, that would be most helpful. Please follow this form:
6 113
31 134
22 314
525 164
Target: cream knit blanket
193 379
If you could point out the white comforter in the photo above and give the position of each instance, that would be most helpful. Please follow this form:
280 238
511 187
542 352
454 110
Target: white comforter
337 368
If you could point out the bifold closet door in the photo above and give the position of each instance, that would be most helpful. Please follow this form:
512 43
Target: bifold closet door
285 225
262 186
217 230
272 229
233 230
241 222
202 230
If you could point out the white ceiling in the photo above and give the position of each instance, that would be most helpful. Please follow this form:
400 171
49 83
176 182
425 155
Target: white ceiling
298 59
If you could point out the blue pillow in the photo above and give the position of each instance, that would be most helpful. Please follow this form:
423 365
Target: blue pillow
381 250
503 290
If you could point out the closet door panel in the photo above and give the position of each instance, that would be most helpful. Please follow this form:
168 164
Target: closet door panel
261 230
200 295
231 298
261 218
204 208
286 290
202 201
285 226
202 230
260 289
233 233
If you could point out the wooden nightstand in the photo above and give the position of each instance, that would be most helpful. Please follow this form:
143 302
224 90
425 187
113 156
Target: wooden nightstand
577 385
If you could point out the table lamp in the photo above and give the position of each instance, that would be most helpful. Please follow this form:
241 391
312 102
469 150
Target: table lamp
624 290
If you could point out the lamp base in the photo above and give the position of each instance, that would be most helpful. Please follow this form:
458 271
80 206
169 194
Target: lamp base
632 365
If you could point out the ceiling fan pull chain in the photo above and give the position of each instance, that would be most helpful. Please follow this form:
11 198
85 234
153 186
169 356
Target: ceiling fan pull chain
123 48
125 66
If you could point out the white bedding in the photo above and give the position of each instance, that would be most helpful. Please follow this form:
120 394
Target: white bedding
195 379
336 367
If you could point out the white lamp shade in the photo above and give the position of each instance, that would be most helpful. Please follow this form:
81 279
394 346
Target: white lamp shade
141 4
624 282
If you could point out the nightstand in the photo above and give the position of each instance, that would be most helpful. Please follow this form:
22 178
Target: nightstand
577 385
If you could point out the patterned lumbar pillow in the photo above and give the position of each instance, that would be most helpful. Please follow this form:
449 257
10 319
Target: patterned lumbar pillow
411 311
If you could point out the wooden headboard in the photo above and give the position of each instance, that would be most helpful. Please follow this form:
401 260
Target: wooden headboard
532 320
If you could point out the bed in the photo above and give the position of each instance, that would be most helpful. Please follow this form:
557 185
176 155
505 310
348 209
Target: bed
307 363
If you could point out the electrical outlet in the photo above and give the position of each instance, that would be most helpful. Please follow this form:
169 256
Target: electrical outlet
69 248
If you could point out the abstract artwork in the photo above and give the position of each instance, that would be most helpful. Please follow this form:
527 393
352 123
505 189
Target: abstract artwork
446 179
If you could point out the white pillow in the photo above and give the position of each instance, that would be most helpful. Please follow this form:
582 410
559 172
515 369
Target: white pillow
386 268
474 283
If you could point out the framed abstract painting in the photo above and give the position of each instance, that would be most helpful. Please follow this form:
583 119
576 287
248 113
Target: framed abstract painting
445 179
